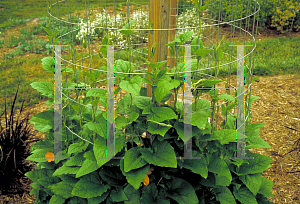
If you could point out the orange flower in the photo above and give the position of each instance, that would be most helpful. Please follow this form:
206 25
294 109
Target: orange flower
146 180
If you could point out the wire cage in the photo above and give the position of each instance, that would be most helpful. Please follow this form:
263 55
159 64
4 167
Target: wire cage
96 45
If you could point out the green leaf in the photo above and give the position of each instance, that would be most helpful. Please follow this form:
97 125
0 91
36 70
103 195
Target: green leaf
252 181
201 52
226 96
141 101
56 199
185 36
48 181
113 176
66 170
99 199
158 128
218 166
136 176
77 147
90 186
256 165
266 187
220 54
96 93
150 194
244 195
157 65
47 63
90 76
90 164
37 174
62 189
181 191
100 151
163 87
224 195
132 194
224 136
199 119
222 180
76 160
118 195
164 155
126 32
45 88
256 142
162 73
103 49
133 159
166 97
38 155
121 66
198 166
179 126
160 114
99 128
176 40
134 86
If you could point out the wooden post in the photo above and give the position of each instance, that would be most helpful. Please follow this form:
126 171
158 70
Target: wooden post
162 20
160 12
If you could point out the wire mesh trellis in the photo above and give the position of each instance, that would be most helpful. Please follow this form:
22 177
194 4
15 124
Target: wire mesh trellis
87 31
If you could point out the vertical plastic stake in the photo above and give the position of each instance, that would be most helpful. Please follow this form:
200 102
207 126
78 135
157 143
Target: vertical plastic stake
187 154
57 106
241 141
110 106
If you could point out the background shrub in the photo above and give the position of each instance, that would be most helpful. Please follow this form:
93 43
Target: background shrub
282 15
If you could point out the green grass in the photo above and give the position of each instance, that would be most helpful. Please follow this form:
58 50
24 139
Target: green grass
16 12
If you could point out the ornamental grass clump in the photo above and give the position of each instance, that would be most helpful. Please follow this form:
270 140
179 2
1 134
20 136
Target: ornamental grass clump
14 150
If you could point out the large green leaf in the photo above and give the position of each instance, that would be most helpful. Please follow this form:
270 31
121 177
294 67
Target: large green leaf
76 160
47 63
252 181
96 93
132 194
163 87
224 195
100 151
89 165
198 166
160 114
122 66
185 36
48 181
56 199
199 119
244 195
224 136
118 195
266 187
181 191
63 189
158 128
179 126
141 101
218 166
45 88
77 147
113 176
136 176
164 154
150 194
256 165
99 199
99 128
90 186
40 173
134 86
133 159
66 170
38 155
256 142
44 121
